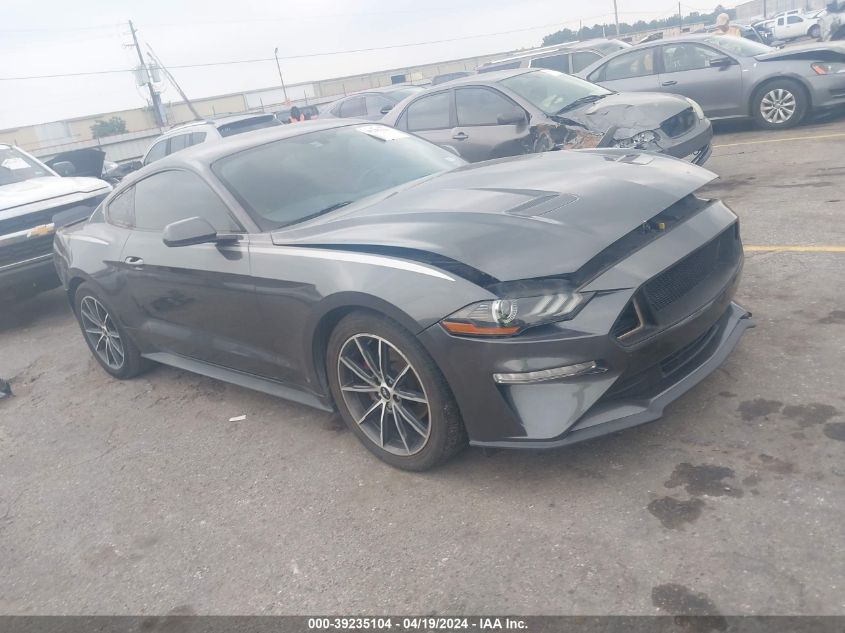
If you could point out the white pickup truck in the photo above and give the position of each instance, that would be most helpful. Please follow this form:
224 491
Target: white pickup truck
791 26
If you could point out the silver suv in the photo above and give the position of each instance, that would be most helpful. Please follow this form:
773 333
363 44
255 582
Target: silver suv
196 132
568 58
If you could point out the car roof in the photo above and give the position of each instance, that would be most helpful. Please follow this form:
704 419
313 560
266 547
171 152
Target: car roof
204 154
550 50
217 121
494 76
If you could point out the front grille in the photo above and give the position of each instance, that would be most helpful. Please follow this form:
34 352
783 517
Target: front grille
28 249
709 260
650 380
678 359
680 123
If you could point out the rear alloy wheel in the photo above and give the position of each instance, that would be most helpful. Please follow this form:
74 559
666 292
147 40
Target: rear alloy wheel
390 393
780 104
106 339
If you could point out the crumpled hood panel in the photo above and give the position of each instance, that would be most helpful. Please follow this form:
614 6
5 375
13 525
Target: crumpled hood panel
631 112
17 194
824 51
521 218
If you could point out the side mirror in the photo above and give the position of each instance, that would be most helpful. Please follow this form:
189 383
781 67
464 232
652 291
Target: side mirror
721 62
64 168
386 109
514 117
190 231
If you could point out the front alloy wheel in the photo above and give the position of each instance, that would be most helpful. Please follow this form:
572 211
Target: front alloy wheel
780 104
391 394
384 394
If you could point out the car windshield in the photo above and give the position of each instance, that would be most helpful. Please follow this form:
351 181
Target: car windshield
17 167
739 46
552 91
301 177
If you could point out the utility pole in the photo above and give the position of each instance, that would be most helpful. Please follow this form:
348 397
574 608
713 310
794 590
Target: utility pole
279 68
153 94
680 18
616 17
173 81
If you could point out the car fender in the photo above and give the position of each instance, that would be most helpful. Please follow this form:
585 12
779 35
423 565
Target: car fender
774 76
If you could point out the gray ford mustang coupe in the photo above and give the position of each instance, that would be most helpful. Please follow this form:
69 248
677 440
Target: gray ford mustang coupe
525 302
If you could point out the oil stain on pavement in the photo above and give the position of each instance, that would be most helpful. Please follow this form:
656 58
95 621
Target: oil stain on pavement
835 431
758 408
705 479
680 601
675 513
810 414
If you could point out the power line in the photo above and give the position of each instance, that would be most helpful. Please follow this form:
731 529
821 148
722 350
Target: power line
302 56
321 54
62 29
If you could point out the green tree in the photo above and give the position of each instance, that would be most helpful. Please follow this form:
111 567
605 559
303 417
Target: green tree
114 125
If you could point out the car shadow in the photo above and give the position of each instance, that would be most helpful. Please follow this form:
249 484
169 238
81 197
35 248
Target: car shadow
23 313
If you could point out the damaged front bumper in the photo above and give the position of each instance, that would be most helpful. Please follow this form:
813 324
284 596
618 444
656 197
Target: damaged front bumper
598 373
611 414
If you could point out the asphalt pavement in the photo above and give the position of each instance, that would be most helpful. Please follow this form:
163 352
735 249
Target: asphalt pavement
141 497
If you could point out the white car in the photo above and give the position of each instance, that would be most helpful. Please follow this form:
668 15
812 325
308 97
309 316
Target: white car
789 27
35 200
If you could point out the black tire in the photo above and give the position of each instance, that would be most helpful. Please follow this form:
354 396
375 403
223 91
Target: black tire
130 362
815 31
446 433
766 101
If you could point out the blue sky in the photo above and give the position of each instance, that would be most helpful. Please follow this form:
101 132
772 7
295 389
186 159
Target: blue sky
57 36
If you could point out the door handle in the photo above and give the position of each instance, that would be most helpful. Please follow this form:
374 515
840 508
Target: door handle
134 261
669 83
460 136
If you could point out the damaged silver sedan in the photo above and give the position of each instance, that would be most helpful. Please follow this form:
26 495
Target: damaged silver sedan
527 111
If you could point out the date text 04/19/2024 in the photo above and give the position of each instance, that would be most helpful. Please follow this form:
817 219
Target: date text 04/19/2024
422 623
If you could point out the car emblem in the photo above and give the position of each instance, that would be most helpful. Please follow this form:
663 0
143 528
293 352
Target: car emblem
44 229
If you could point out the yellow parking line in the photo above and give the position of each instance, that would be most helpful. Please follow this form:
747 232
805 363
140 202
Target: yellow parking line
795 249
782 140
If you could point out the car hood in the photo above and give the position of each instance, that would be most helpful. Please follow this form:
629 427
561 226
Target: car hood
818 51
629 112
518 218
86 162
45 188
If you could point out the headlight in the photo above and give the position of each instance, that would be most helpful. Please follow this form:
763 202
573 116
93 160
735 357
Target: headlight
828 68
641 140
697 109
509 316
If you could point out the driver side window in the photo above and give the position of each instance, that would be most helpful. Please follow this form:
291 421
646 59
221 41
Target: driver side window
634 64
479 106
170 196
681 57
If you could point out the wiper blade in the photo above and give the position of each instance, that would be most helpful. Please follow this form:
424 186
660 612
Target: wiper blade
580 101
328 209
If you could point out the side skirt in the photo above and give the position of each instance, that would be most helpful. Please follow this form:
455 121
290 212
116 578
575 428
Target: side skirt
241 379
